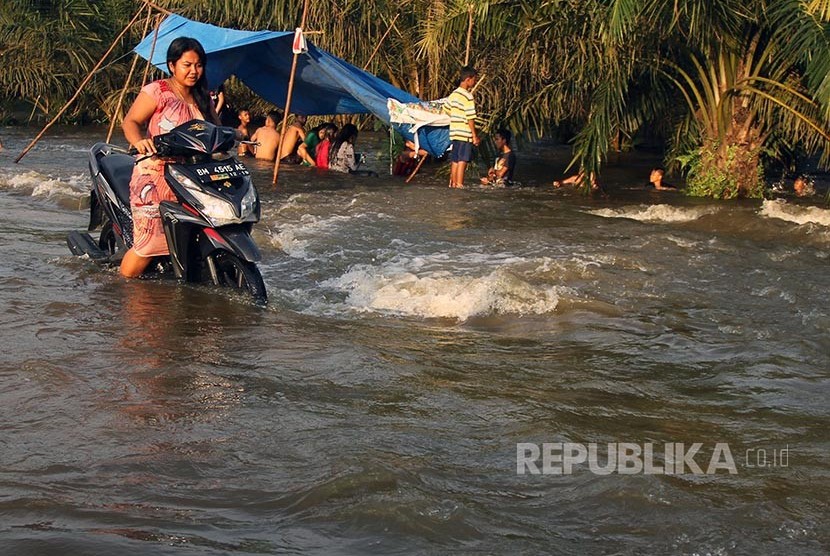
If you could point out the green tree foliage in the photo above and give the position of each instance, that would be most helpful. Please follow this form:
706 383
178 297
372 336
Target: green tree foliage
739 80
725 84
48 47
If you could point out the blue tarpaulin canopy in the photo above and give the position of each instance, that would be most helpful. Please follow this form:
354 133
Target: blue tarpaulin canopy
324 84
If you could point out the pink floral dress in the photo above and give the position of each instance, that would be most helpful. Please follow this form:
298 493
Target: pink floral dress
147 186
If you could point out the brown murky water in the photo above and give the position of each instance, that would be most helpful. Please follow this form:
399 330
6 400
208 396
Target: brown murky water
414 336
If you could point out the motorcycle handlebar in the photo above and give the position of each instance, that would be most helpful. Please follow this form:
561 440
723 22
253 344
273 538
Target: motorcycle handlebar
133 151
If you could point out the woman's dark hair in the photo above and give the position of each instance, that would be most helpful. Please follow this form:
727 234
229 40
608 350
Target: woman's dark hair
200 91
331 130
348 133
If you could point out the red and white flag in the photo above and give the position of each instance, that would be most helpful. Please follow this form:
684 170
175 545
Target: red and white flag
299 46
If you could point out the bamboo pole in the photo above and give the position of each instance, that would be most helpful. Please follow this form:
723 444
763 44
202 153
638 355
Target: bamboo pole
479 81
152 51
117 108
35 105
383 38
391 155
418 167
81 86
288 99
469 34
157 7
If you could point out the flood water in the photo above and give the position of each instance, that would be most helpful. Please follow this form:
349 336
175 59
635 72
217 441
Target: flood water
414 336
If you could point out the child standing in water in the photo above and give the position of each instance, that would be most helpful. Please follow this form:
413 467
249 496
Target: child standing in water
463 135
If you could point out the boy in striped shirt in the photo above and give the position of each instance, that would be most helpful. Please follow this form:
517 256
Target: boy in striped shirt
462 112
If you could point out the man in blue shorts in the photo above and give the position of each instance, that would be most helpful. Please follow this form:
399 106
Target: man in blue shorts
463 136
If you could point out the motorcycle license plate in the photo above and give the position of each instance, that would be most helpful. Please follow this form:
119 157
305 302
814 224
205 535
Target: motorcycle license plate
220 171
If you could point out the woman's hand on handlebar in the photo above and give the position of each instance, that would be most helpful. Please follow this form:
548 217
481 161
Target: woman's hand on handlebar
145 147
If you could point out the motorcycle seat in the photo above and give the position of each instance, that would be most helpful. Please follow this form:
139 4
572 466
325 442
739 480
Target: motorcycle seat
118 170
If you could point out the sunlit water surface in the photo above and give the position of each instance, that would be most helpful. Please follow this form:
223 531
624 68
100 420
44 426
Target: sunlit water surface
414 336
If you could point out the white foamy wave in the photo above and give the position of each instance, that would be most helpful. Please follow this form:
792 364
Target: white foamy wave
46 186
443 295
295 202
295 239
797 214
655 213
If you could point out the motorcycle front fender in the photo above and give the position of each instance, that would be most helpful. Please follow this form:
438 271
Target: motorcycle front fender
180 226
235 238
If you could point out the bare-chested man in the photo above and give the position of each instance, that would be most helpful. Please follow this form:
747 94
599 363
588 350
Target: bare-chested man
244 120
268 138
294 135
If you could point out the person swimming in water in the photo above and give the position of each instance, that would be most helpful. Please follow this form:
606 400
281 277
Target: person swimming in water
655 180
803 187
576 180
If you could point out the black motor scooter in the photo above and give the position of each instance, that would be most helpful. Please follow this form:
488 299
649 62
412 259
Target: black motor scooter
208 227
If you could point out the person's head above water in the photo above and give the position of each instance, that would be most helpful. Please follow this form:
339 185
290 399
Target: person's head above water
347 134
656 175
272 118
329 130
502 137
300 119
803 187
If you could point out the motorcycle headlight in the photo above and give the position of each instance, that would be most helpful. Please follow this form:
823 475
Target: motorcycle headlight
218 211
249 200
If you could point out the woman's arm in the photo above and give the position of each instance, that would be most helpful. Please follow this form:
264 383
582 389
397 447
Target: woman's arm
214 114
302 150
137 117
220 101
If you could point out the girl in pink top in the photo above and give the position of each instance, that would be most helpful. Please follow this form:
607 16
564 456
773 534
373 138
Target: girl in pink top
161 105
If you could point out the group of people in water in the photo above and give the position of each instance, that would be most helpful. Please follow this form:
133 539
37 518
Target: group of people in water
460 107
324 146
802 185
655 181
